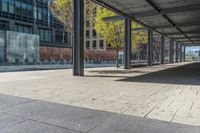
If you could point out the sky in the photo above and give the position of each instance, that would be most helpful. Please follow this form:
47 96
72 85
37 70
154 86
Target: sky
192 48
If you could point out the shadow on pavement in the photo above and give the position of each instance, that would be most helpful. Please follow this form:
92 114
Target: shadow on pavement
22 115
187 75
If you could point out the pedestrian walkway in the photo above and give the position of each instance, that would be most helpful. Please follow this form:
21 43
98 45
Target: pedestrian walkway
142 99
21 115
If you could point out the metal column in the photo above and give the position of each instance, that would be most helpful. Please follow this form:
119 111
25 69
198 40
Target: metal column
181 53
78 38
150 48
177 49
171 53
162 49
127 48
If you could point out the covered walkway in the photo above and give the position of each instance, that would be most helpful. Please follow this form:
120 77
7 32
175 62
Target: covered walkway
176 20
168 94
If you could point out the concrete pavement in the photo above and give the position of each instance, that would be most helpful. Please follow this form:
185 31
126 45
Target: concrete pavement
22 115
166 93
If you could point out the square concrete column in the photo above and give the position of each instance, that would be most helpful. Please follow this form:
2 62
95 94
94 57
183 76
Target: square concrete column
162 49
127 47
150 48
171 53
78 40
177 49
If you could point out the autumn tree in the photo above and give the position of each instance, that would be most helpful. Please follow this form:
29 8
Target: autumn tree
113 31
63 11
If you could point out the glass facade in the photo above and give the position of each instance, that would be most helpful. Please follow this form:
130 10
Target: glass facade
19 47
24 29
32 16
45 35
22 47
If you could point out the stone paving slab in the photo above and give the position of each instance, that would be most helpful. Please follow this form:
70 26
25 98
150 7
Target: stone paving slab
35 127
69 117
46 117
10 101
108 89
9 120
130 124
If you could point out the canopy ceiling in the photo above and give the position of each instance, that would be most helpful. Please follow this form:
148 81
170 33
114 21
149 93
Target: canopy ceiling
177 19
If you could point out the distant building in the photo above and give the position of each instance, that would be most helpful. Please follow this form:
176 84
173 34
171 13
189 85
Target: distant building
92 40
33 17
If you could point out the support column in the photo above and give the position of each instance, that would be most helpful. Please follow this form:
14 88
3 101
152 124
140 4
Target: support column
171 53
181 53
127 48
162 49
177 52
150 48
78 38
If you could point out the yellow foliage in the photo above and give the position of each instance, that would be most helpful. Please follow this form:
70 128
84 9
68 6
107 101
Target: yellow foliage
113 31
62 10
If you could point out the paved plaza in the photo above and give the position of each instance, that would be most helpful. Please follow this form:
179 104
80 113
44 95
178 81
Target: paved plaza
157 99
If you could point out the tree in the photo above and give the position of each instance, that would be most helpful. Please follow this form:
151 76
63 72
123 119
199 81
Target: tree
113 31
63 11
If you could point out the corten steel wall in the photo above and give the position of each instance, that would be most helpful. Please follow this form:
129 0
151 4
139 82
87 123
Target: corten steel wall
53 53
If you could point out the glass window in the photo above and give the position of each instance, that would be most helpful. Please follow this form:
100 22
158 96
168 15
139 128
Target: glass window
44 15
5 7
88 34
18 8
48 36
24 11
59 36
11 8
87 44
45 35
39 14
4 25
94 44
24 28
88 24
30 10
94 33
101 42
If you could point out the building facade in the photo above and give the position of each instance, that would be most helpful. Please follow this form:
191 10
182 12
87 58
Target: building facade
93 41
34 17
